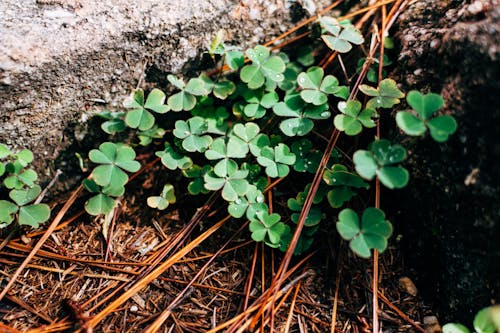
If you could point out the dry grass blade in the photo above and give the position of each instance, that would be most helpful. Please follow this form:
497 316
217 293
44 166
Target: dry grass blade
42 240
401 313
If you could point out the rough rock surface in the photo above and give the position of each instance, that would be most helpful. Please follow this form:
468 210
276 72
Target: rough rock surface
450 212
61 60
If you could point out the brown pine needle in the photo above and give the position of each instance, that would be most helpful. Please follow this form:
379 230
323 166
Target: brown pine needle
42 240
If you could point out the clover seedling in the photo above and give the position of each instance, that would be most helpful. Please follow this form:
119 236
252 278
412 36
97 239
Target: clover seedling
342 181
114 160
173 159
191 132
162 201
264 67
139 116
372 233
385 96
315 88
276 160
381 160
268 228
352 119
300 115
340 37
231 180
424 106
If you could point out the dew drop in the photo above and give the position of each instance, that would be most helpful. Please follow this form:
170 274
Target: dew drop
260 199
342 105
325 114
237 201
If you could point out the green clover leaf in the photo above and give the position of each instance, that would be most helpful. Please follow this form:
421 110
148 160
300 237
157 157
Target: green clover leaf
114 121
24 196
223 89
216 118
19 177
381 160
295 204
147 136
197 185
7 211
315 88
242 138
352 119
139 116
4 151
258 101
340 37
191 132
99 204
33 215
385 96
483 322
235 59
267 227
173 159
276 160
307 158
162 201
342 180
301 115
24 157
305 241
289 82
372 233
251 203
424 106
114 159
228 178
264 67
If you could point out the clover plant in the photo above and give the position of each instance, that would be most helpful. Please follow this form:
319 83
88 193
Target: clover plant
20 205
263 119
424 106
487 320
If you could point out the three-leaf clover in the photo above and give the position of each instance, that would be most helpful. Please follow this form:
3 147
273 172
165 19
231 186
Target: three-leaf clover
162 201
32 215
258 101
301 115
197 173
19 176
385 96
191 132
315 88
295 204
307 158
113 159
242 138
216 118
276 160
139 116
173 159
228 178
251 203
339 37
381 160
102 202
267 227
352 119
185 99
372 233
440 127
264 67
342 181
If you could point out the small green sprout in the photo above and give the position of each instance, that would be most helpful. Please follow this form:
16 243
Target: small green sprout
372 233
191 132
484 322
424 106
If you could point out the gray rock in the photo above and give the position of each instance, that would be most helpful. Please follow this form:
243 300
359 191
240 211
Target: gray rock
62 60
